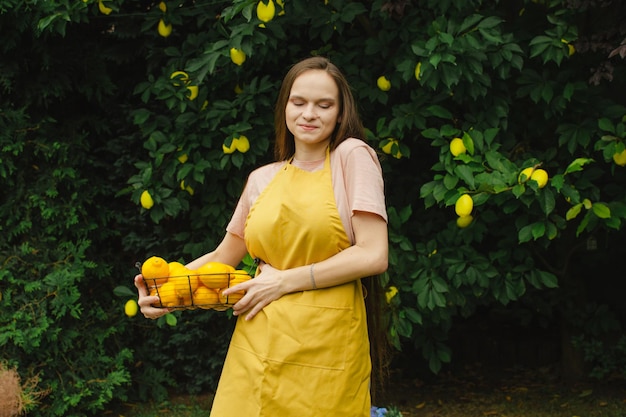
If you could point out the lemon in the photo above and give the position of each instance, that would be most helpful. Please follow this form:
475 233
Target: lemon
418 71
205 297
155 271
390 293
463 222
183 158
383 83
146 200
265 12
215 274
238 89
540 176
167 295
163 6
179 75
185 279
237 56
104 9
620 158
234 297
192 92
457 147
131 308
571 50
242 144
525 175
187 188
281 3
388 148
230 149
164 30
464 205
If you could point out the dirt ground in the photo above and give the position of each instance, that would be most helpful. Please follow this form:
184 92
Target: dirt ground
477 392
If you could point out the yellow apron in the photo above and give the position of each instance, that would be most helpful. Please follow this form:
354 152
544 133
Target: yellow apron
307 353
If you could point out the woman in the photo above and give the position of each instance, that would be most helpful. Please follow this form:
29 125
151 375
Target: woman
316 221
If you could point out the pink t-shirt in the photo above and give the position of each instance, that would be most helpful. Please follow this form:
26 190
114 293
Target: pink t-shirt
357 184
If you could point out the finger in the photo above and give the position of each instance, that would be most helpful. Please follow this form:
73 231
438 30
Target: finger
140 285
242 305
258 307
236 288
154 313
148 300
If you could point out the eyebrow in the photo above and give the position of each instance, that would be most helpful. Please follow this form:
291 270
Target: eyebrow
323 99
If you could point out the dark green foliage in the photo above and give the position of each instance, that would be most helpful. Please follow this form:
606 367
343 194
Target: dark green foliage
90 117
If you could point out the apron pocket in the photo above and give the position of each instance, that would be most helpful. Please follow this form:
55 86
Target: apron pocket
308 335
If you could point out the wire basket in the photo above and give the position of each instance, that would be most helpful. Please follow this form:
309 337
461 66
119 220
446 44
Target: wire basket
192 291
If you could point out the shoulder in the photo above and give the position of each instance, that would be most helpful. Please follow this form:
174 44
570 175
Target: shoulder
357 150
260 177
266 170
351 144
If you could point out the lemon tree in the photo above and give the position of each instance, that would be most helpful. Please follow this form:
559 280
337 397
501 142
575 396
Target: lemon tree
136 140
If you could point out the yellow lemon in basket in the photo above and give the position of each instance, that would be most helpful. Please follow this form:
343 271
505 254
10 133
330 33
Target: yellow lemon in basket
239 273
234 297
186 301
215 274
205 297
167 294
155 271
185 279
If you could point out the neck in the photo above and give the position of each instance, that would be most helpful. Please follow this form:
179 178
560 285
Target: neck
313 152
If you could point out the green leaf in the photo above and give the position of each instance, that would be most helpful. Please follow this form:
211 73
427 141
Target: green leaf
468 142
439 111
490 22
525 234
171 319
547 202
577 165
469 22
124 292
439 284
548 280
538 230
601 210
606 125
465 173
413 315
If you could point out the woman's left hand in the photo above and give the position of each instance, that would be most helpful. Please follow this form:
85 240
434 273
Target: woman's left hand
260 291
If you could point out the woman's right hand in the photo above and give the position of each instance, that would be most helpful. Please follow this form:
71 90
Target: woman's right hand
146 300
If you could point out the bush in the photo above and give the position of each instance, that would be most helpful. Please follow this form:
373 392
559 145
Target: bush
98 107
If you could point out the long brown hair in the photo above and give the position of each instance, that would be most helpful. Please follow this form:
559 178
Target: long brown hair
350 125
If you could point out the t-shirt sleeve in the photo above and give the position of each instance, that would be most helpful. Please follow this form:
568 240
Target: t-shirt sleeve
364 183
238 220
257 181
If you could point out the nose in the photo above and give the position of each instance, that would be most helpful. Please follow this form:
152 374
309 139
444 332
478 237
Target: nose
309 112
